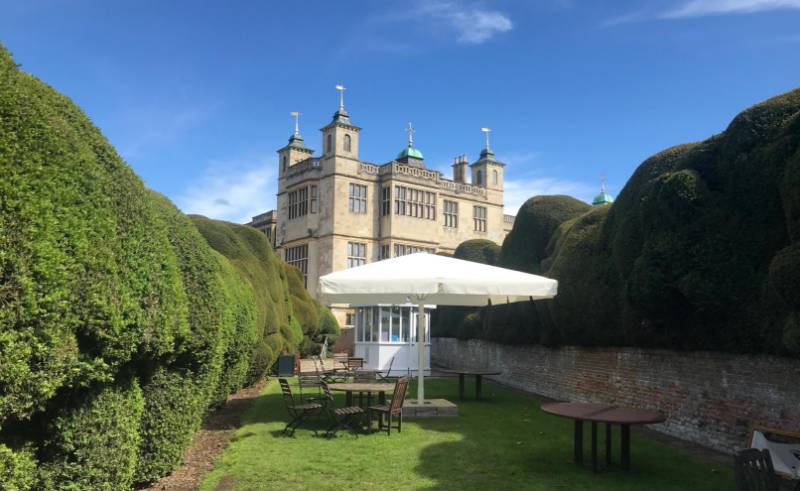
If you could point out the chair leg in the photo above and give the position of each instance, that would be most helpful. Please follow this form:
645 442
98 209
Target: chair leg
400 423
389 429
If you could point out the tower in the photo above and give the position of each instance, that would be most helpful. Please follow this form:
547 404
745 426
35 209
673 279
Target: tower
295 151
487 171
340 136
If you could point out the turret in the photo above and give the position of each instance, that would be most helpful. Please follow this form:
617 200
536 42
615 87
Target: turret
340 136
296 150
411 155
487 171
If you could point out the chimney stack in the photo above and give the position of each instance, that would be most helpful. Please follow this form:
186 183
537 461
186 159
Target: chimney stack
460 169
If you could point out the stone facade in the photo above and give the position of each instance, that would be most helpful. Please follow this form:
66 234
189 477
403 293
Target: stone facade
266 223
709 398
336 211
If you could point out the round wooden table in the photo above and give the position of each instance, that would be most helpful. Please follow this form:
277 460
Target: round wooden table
368 387
478 373
610 415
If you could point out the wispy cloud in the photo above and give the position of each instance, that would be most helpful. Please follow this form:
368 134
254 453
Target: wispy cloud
471 23
232 191
698 8
517 191
701 8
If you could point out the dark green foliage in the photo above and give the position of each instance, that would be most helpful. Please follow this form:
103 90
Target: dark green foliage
314 319
88 279
120 326
17 469
94 443
175 403
479 251
701 250
194 377
537 219
251 255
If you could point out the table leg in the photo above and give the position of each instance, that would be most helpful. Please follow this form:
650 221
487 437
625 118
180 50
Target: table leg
594 446
381 397
349 398
478 380
461 386
625 447
369 399
608 444
578 441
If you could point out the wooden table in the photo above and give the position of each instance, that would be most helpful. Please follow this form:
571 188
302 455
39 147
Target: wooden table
368 387
463 372
610 415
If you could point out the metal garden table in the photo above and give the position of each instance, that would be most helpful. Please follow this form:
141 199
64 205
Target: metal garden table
368 387
478 373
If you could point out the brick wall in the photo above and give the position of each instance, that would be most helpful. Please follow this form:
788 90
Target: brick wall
709 398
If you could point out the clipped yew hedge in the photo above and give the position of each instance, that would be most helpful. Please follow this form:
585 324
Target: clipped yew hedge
121 325
700 251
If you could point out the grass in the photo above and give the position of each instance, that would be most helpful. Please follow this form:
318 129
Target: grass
502 442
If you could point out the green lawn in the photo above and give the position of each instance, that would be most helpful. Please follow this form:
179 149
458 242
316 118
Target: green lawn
503 442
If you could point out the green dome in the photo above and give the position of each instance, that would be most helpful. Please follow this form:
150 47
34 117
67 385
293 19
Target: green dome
410 152
602 199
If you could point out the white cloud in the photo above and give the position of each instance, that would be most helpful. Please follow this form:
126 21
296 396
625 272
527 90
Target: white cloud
517 191
232 191
698 8
702 8
472 24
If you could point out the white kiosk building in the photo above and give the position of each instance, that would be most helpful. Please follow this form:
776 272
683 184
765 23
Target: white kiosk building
386 337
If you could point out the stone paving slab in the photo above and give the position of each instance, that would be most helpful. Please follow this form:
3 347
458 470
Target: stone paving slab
432 408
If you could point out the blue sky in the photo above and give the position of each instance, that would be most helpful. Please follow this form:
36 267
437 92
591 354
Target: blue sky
196 96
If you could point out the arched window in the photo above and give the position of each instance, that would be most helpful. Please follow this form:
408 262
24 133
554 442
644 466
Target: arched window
479 178
494 177
283 163
347 144
328 146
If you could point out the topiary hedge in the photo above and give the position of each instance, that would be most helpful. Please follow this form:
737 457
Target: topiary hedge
249 252
699 251
121 326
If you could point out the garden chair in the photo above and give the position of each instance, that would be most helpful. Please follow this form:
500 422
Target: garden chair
310 388
754 472
393 409
364 376
354 363
343 417
329 376
298 413
387 377
340 361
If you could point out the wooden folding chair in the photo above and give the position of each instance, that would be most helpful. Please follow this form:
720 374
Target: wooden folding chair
298 413
393 409
343 417
754 471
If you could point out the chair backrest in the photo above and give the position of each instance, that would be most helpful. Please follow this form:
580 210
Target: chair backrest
355 362
399 394
308 381
340 357
326 391
754 471
288 398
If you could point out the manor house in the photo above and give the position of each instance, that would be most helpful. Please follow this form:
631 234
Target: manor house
336 211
